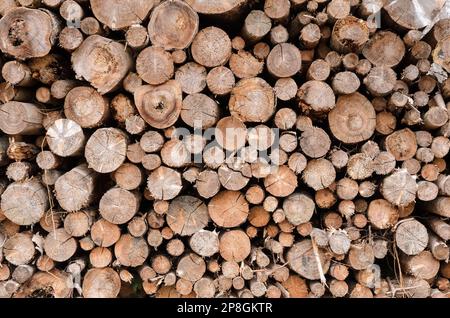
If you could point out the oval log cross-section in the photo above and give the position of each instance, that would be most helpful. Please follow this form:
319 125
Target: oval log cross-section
159 106
353 119
173 25
228 209
187 215
24 203
119 14
102 62
20 118
101 283
106 149
252 100
27 33
303 259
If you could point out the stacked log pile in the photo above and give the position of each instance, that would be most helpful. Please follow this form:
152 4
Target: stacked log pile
132 135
